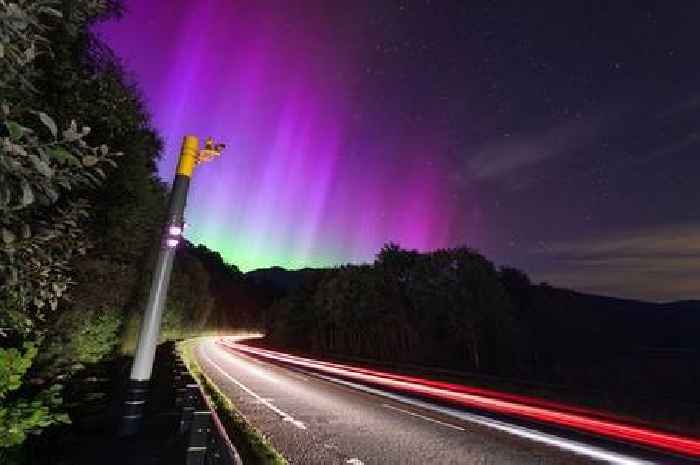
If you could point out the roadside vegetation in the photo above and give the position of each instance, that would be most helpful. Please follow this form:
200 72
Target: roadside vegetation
80 210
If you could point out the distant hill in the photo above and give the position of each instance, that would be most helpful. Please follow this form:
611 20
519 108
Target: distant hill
611 322
277 280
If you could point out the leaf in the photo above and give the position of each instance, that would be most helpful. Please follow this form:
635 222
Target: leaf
65 184
62 155
41 166
49 123
43 155
27 83
30 54
71 133
8 236
17 149
5 197
89 160
27 194
51 11
15 129
94 181
51 194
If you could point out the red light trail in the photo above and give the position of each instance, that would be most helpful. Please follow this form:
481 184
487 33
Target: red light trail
491 401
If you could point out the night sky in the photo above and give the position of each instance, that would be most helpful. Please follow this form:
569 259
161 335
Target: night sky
559 137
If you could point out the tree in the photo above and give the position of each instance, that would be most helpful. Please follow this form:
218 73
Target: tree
446 307
47 169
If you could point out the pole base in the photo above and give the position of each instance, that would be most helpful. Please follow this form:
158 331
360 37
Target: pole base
134 408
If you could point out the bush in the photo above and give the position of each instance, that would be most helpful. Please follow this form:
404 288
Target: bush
80 337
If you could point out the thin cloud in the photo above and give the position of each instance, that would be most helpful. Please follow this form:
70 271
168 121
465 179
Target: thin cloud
661 264
690 141
690 104
512 154
670 240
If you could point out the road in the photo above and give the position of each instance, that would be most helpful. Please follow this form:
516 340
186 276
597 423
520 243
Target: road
315 419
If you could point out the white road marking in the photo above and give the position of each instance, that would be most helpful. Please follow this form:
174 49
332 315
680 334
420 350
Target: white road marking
433 420
355 461
285 416
569 445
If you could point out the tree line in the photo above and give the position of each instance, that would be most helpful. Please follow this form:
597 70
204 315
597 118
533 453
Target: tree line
449 308
454 309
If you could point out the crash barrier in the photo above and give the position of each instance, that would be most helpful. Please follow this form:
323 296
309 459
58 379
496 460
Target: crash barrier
206 440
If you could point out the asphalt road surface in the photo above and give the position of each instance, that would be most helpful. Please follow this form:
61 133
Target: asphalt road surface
312 419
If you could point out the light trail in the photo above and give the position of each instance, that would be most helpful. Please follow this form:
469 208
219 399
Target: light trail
593 452
490 401
284 415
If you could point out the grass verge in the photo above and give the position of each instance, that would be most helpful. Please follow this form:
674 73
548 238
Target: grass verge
253 447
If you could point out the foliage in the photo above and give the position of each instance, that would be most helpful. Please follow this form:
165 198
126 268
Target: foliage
22 414
41 232
47 170
22 39
446 307
79 337
205 294
76 235
13 367
188 297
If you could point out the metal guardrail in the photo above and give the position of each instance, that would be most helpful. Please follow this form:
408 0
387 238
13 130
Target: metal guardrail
205 437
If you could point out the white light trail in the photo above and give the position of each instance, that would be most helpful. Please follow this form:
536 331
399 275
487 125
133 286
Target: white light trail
285 416
568 445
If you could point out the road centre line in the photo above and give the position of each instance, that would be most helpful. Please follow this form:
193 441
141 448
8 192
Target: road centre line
413 414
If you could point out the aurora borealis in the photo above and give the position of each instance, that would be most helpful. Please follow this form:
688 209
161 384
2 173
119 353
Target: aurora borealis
299 184
545 137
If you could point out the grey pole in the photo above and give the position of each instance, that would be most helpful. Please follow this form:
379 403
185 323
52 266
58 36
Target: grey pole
150 327
137 391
